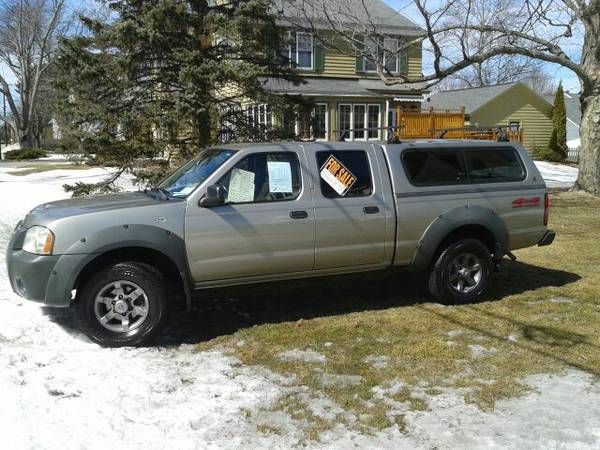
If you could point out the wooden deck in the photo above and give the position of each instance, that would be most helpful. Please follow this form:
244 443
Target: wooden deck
448 125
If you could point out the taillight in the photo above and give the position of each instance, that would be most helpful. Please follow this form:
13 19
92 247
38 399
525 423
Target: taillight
546 208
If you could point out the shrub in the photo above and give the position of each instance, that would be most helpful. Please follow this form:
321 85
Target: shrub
24 153
547 154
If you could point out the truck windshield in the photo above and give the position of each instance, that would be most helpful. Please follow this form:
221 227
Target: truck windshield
185 179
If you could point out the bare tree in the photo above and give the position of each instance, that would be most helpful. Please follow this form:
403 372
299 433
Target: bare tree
28 35
500 69
562 32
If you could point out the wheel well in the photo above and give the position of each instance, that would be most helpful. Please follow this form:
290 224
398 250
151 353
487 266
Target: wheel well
146 255
474 231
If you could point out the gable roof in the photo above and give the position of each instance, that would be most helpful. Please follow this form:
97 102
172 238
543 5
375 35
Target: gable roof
471 98
348 12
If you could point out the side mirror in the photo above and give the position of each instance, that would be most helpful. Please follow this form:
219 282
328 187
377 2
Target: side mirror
215 196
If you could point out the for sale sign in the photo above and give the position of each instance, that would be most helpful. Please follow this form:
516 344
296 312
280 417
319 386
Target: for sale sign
337 176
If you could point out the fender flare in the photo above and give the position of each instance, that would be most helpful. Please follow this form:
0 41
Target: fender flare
453 219
72 263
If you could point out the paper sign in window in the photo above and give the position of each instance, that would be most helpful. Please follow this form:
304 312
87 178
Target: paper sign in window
241 186
337 176
280 176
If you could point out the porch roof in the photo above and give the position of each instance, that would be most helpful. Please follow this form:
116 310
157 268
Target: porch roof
342 88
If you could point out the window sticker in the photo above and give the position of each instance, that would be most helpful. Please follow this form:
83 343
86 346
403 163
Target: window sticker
280 177
241 186
337 176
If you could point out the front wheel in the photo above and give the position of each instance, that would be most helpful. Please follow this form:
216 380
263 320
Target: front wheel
462 272
124 305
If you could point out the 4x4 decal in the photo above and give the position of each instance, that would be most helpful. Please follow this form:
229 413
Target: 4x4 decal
522 201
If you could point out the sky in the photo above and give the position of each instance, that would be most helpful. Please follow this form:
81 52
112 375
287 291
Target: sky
557 73
406 7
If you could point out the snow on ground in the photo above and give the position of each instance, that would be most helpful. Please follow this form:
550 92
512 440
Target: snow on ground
557 175
574 144
59 391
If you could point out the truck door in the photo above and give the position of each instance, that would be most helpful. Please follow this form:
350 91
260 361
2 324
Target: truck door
353 221
266 225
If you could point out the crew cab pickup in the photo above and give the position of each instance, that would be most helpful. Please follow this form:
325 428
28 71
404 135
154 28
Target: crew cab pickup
260 212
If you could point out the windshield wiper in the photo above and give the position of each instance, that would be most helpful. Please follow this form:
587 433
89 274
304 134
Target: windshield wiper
161 193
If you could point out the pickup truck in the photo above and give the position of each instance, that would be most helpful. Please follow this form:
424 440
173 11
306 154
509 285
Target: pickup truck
259 212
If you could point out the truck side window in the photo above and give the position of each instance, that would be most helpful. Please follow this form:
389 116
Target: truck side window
263 177
344 173
494 164
434 167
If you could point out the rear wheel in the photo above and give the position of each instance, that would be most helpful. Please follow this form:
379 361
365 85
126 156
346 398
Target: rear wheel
124 305
462 272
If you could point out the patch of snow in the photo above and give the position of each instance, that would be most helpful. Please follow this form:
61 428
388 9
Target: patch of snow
557 175
307 356
479 351
377 361
574 144
455 333
559 300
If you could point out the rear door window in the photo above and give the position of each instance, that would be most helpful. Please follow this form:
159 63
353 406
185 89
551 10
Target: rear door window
344 173
434 167
494 164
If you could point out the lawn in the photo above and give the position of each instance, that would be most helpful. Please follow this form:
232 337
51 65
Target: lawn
371 345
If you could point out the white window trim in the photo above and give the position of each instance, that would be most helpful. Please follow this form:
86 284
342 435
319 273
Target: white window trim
366 121
294 59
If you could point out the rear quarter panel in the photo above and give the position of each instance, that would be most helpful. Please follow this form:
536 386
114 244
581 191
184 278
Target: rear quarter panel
520 205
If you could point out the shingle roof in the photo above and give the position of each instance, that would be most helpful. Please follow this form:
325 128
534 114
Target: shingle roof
573 109
471 98
333 86
572 106
316 13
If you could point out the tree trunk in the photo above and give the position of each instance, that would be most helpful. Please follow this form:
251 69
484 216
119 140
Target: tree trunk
589 153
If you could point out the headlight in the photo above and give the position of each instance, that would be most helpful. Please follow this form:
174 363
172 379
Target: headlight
39 241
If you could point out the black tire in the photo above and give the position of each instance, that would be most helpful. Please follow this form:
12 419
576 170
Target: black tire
444 272
153 304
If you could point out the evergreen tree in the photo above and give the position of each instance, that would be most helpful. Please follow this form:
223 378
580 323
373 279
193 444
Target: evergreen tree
159 74
558 140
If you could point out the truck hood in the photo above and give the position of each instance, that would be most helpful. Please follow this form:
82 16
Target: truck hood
61 209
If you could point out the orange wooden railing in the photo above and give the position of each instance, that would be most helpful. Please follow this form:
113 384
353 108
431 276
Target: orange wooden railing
450 124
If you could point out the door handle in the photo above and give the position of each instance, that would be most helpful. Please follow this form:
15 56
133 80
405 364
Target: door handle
371 209
298 214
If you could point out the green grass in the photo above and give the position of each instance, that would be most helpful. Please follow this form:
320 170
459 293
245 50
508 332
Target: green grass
38 168
350 318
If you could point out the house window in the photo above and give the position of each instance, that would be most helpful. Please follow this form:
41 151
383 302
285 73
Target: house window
386 50
299 52
321 121
345 121
315 125
374 122
359 121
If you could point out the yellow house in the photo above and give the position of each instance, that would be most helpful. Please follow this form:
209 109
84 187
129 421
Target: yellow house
511 104
351 101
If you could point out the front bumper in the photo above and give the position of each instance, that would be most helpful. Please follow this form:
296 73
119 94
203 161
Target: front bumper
43 279
547 239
